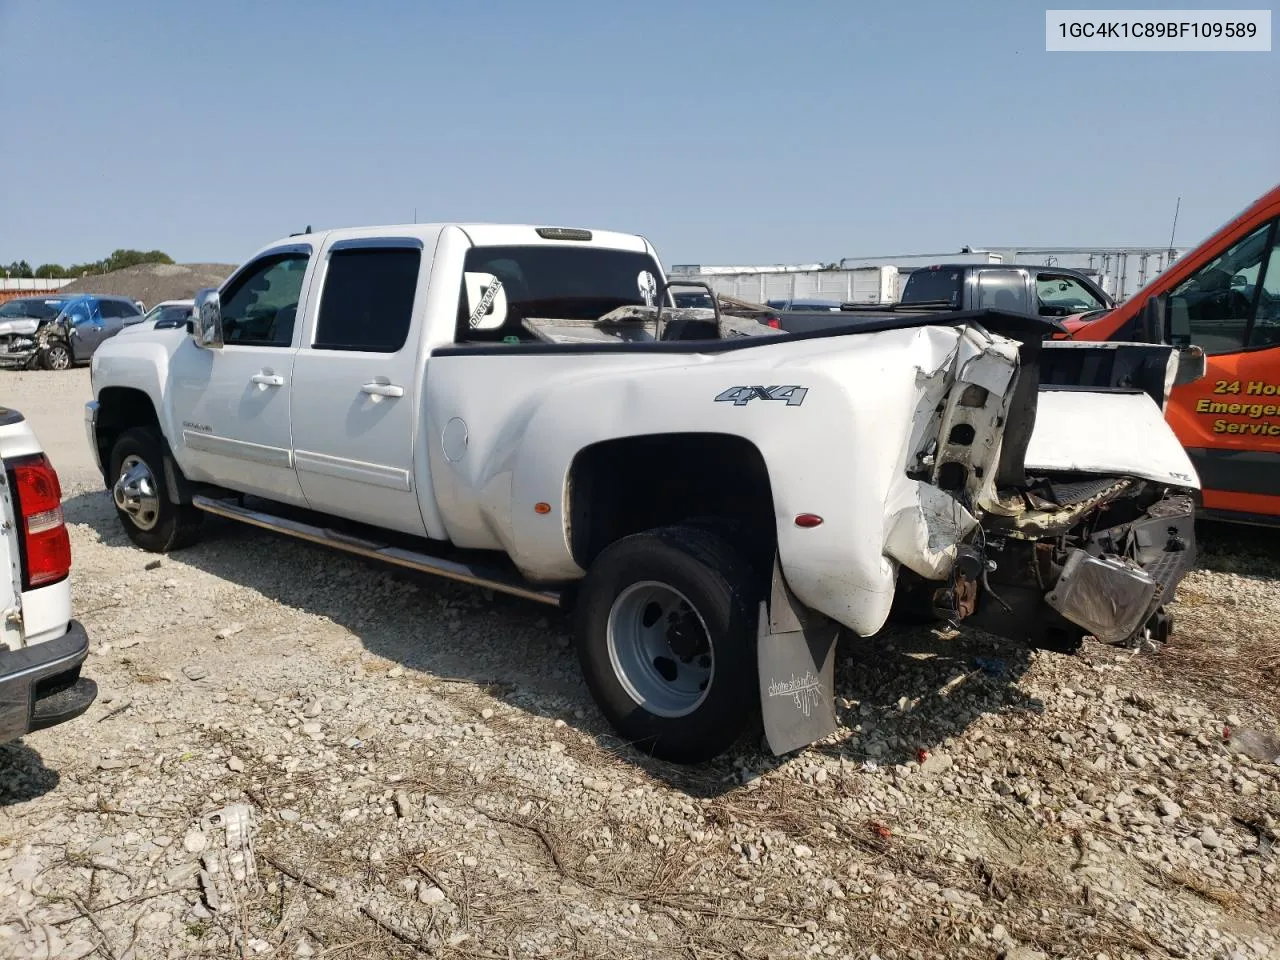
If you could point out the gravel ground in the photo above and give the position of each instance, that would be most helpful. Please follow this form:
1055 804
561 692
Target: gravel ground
301 755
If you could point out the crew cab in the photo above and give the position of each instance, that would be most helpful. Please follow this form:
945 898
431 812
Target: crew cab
1016 288
712 498
43 648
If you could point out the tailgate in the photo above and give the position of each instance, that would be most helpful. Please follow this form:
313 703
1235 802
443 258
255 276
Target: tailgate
1113 432
10 567
1097 408
16 440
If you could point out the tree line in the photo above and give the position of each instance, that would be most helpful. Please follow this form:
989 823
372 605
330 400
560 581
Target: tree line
118 260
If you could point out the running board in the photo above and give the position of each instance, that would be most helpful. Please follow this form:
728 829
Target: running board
472 574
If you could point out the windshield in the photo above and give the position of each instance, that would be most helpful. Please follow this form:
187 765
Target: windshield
32 309
932 284
503 286
169 311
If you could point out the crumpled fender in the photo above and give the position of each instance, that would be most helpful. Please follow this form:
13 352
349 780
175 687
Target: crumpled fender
51 331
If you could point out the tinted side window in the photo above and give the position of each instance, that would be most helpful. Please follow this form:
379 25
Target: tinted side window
1212 308
1002 290
259 307
118 309
367 303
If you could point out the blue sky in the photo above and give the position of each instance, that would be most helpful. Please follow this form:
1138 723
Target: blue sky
752 132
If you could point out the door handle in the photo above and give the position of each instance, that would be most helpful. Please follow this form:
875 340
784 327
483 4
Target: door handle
267 379
376 389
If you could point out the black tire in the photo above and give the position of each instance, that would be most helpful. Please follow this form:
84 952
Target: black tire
175 526
57 356
722 589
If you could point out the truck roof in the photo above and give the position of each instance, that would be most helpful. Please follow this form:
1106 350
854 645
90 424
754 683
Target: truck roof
1001 266
479 233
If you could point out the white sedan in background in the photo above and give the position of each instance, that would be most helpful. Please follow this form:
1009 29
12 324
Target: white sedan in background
169 314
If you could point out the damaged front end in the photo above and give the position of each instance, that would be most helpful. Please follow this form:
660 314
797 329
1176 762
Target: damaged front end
18 342
24 346
1081 497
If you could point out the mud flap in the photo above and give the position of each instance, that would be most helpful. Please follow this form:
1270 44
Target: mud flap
795 653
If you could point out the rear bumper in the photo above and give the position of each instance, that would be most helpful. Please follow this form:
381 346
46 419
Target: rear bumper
41 686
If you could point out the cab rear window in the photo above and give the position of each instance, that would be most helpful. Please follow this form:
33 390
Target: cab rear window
930 286
503 286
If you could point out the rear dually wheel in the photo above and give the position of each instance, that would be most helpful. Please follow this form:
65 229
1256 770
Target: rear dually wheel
665 632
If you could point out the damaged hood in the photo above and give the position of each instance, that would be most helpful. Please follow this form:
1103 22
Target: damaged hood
20 326
1114 433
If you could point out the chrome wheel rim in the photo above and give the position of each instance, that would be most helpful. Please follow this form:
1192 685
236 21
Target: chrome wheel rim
136 494
660 649
59 358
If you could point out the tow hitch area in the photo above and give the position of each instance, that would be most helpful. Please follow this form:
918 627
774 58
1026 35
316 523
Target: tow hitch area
1105 571
1077 530
1105 595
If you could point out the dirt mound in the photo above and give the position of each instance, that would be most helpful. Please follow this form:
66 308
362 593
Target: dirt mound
153 282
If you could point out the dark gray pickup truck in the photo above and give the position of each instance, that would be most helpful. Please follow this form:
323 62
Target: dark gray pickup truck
1034 291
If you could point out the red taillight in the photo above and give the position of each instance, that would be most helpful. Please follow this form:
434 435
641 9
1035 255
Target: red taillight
46 548
774 322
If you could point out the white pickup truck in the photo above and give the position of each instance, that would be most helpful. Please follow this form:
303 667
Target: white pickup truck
519 407
43 648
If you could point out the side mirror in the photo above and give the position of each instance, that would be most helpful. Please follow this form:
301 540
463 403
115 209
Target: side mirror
1192 365
1179 322
206 320
1153 320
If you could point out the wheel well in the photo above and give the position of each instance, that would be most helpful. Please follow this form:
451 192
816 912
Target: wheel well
718 481
120 408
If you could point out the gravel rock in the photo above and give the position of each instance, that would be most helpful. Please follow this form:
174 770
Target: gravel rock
1086 803
195 841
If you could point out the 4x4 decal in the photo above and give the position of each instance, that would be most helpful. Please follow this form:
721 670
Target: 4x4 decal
741 396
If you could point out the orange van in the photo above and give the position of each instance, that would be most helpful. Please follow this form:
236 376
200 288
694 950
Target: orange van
1223 297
